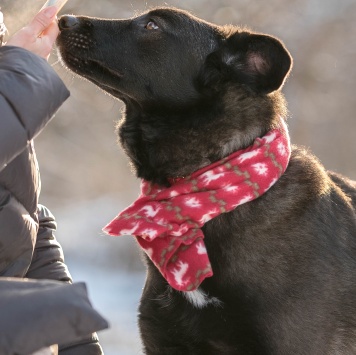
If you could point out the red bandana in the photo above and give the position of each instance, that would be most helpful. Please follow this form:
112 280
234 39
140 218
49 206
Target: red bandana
167 221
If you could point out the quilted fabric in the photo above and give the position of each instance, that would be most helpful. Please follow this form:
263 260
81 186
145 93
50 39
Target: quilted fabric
39 313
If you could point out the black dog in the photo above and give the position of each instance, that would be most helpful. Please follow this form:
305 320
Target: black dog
284 264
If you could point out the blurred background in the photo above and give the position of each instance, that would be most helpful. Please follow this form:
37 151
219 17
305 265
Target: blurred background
86 179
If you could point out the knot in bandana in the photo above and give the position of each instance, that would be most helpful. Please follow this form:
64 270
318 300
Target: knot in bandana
167 221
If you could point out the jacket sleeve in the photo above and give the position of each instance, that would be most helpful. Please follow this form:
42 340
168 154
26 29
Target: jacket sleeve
48 263
48 259
30 94
37 313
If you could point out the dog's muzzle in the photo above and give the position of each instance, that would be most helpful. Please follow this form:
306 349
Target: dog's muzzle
67 22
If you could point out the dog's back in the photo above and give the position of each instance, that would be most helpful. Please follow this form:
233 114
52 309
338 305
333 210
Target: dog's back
285 263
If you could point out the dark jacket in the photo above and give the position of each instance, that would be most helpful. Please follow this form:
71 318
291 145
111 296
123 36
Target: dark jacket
56 312
30 93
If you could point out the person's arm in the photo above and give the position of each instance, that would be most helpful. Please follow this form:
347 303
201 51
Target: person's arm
48 260
36 313
30 90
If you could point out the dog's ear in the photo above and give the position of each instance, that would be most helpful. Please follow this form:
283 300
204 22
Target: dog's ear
259 61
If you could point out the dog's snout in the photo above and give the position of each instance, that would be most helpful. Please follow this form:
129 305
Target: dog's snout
67 22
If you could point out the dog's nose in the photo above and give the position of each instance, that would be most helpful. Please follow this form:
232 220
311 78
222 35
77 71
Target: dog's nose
67 22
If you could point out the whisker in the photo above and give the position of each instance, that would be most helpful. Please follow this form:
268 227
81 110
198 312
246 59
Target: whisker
55 63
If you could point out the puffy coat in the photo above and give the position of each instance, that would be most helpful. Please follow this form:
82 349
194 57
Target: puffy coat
28 247
56 312
30 93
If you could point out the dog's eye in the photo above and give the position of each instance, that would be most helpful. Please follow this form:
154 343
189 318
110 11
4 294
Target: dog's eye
151 26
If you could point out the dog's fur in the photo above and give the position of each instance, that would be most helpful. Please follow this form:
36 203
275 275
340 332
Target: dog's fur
285 264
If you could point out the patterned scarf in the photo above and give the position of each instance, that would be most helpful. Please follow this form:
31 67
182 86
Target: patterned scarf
167 221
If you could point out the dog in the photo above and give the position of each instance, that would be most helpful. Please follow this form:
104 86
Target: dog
283 263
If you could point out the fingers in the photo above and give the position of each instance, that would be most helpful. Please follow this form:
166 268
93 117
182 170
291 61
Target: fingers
40 35
42 20
47 40
51 32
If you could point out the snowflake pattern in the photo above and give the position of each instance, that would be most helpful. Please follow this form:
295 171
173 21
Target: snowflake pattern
260 168
282 149
192 202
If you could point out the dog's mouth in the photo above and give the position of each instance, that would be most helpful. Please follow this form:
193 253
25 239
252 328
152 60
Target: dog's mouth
81 52
110 90
93 70
89 67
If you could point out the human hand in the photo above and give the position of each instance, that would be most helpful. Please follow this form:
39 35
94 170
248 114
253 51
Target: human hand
40 35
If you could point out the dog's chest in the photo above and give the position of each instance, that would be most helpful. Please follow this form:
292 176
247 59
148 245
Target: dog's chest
200 299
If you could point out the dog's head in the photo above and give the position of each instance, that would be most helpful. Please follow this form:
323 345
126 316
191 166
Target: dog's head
169 55
179 77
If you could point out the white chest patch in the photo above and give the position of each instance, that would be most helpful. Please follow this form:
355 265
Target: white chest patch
200 299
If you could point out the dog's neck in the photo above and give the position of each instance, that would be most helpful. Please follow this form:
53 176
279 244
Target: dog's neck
164 145
167 221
